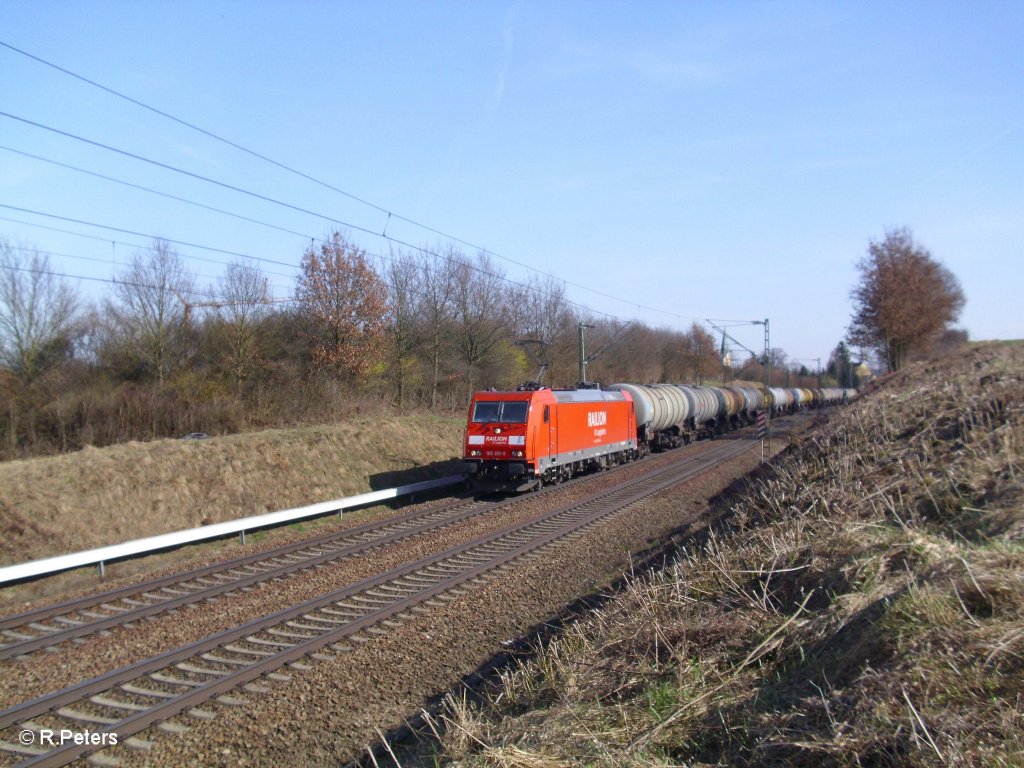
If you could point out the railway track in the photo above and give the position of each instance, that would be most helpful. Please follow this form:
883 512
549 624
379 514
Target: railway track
134 698
49 626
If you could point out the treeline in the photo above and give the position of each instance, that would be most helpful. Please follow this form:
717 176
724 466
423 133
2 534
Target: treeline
160 356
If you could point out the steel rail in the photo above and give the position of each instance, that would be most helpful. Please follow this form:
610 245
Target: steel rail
374 534
131 590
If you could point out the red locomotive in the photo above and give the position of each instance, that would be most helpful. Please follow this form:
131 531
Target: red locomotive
524 438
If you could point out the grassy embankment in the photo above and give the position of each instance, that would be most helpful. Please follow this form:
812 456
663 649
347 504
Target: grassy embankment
861 605
94 497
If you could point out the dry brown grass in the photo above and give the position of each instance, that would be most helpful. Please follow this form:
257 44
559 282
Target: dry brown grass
863 604
94 497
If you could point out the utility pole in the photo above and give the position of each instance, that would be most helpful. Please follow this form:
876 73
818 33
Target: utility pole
583 354
767 372
584 359
189 306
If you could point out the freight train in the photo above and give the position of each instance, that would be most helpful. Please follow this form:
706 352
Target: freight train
525 438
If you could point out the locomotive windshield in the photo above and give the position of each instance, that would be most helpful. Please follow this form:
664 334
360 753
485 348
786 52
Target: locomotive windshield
504 411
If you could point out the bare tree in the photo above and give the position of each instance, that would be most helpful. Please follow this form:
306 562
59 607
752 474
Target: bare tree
402 276
38 319
437 308
346 300
38 311
778 364
904 300
481 312
544 314
635 354
148 307
244 305
701 355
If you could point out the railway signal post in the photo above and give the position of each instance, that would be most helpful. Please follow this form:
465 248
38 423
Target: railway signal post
762 429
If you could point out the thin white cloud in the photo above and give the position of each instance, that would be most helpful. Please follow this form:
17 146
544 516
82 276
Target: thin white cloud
669 68
493 103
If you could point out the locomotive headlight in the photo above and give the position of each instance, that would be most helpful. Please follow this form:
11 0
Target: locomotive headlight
517 454
474 453
497 430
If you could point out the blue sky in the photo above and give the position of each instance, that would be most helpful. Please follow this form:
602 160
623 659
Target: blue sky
670 161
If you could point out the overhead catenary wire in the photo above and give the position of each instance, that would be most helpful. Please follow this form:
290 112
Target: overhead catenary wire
382 256
344 224
152 191
390 214
311 238
303 235
118 281
97 260
114 243
214 136
221 300
265 198
217 298
263 157
115 280
175 169
136 233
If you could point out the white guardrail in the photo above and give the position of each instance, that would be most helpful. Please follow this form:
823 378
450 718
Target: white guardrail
102 555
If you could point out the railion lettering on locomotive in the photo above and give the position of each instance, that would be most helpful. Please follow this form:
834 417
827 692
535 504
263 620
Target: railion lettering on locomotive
597 418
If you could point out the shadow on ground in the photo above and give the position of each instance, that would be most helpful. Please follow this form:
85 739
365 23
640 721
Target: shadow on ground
415 474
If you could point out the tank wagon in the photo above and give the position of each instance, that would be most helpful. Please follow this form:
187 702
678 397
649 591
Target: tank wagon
524 438
669 415
791 399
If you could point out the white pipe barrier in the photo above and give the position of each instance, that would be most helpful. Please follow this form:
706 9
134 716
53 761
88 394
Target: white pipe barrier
102 555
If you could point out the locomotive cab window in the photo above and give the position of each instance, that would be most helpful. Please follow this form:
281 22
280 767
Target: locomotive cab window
503 411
